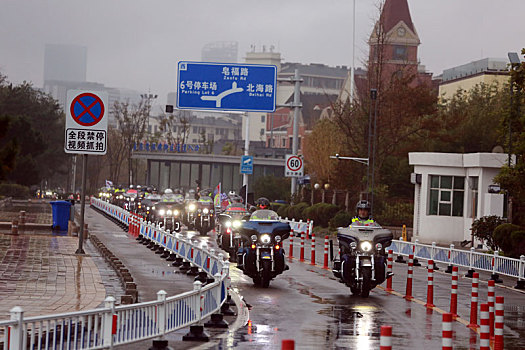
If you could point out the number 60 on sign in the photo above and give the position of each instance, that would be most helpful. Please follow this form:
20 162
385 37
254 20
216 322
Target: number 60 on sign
294 166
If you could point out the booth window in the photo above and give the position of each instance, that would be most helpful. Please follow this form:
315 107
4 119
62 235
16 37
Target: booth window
446 195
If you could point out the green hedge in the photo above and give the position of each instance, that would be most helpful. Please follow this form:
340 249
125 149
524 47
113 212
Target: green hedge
503 237
341 219
14 190
321 213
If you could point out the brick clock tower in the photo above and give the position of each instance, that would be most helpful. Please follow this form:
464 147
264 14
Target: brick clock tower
393 44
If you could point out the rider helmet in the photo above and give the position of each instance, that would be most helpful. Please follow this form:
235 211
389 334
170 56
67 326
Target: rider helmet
360 206
168 191
263 203
231 193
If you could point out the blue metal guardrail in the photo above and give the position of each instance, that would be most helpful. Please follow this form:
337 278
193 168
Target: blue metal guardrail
117 325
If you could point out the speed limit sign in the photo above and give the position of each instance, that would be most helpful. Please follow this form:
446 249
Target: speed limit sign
294 166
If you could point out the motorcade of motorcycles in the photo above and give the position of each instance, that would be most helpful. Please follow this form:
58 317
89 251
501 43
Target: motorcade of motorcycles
229 223
261 255
168 211
190 211
204 219
362 263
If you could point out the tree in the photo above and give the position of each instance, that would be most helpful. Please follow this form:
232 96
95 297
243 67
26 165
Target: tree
132 121
272 187
175 128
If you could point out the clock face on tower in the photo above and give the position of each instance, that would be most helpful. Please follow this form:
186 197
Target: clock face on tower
401 31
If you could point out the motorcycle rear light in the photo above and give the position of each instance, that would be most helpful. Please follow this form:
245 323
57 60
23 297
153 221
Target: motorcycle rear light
228 231
277 247
253 246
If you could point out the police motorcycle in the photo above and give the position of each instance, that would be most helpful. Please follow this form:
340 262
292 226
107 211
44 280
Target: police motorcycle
204 218
261 255
130 200
169 210
148 205
362 263
229 223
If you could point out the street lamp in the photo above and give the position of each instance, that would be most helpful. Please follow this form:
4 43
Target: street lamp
514 62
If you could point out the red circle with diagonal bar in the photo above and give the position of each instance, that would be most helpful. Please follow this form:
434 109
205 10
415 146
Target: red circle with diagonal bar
294 163
87 109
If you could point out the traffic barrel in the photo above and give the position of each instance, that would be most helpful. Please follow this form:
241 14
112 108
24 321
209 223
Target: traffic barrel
385 339
447 332
449 267
291 245
474 302
490 299
430 285
498 324
389 271
484 335
325 263
308 229
301 258
454 293
408 294
288 344
313 250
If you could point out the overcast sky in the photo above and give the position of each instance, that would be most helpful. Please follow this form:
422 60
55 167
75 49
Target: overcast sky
136 44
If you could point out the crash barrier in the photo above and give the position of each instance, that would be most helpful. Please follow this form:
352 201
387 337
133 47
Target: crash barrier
298 227
465 258
117 325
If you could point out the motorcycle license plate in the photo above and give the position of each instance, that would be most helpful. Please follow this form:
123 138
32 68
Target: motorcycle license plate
265 255
365 262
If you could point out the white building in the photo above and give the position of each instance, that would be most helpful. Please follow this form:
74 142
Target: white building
451 191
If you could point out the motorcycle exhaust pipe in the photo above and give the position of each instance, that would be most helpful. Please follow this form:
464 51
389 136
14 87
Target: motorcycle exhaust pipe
331 250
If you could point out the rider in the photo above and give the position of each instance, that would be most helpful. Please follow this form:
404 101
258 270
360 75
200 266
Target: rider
263 203
363 218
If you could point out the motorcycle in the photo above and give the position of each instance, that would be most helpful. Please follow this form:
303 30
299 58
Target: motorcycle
362 263
229 223
261 255
204 220
168 211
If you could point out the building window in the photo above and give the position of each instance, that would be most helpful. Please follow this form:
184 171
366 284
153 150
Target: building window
155 129
283 142
446 195
195 130
149 129
473 187
400 53
263 118
262 132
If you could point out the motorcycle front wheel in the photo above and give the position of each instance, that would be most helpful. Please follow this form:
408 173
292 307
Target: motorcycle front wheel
266 273
366 285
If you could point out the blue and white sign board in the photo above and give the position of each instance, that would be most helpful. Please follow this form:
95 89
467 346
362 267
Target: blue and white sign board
226 86
247 165
86 122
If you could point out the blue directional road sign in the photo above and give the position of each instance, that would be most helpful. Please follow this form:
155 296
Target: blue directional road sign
225 86
247 165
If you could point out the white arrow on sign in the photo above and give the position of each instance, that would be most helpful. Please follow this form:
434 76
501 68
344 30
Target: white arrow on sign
223 94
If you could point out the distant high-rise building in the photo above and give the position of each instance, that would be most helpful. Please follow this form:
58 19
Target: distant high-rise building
220 51
65 63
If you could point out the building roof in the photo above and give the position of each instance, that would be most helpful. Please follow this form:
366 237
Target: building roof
314 69
395 11
480 66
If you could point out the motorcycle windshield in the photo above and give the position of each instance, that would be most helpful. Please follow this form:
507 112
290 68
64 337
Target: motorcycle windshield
264 215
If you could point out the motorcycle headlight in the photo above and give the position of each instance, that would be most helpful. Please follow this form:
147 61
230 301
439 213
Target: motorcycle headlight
162 212
153 208
379 246
254 238
169 212
191 207
205 211
100 194
120 197
176 212
147 208
278 239
132 199
228 224
237 223
365 246
265 239
353 245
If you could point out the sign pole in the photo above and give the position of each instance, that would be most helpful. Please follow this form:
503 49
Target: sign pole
246 152
296 108
80 250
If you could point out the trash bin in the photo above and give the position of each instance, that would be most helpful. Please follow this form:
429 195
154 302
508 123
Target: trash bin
61 211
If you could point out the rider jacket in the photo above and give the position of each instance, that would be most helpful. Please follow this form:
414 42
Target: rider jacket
361 222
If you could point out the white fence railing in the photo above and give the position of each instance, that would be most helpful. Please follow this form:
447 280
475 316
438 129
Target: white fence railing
466 258
117 325
300 226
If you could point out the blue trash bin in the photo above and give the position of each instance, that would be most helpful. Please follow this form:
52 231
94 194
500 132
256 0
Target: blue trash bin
61 211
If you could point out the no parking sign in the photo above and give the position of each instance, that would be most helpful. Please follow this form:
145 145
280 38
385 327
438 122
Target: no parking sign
294 166
86 122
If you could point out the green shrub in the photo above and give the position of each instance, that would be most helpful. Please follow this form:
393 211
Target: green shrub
395 214
503 237
297 211
518 243
276 206
321 213
283 211
483 229
14 190
341 219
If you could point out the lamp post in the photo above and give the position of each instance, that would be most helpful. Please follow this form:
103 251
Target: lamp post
515 63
